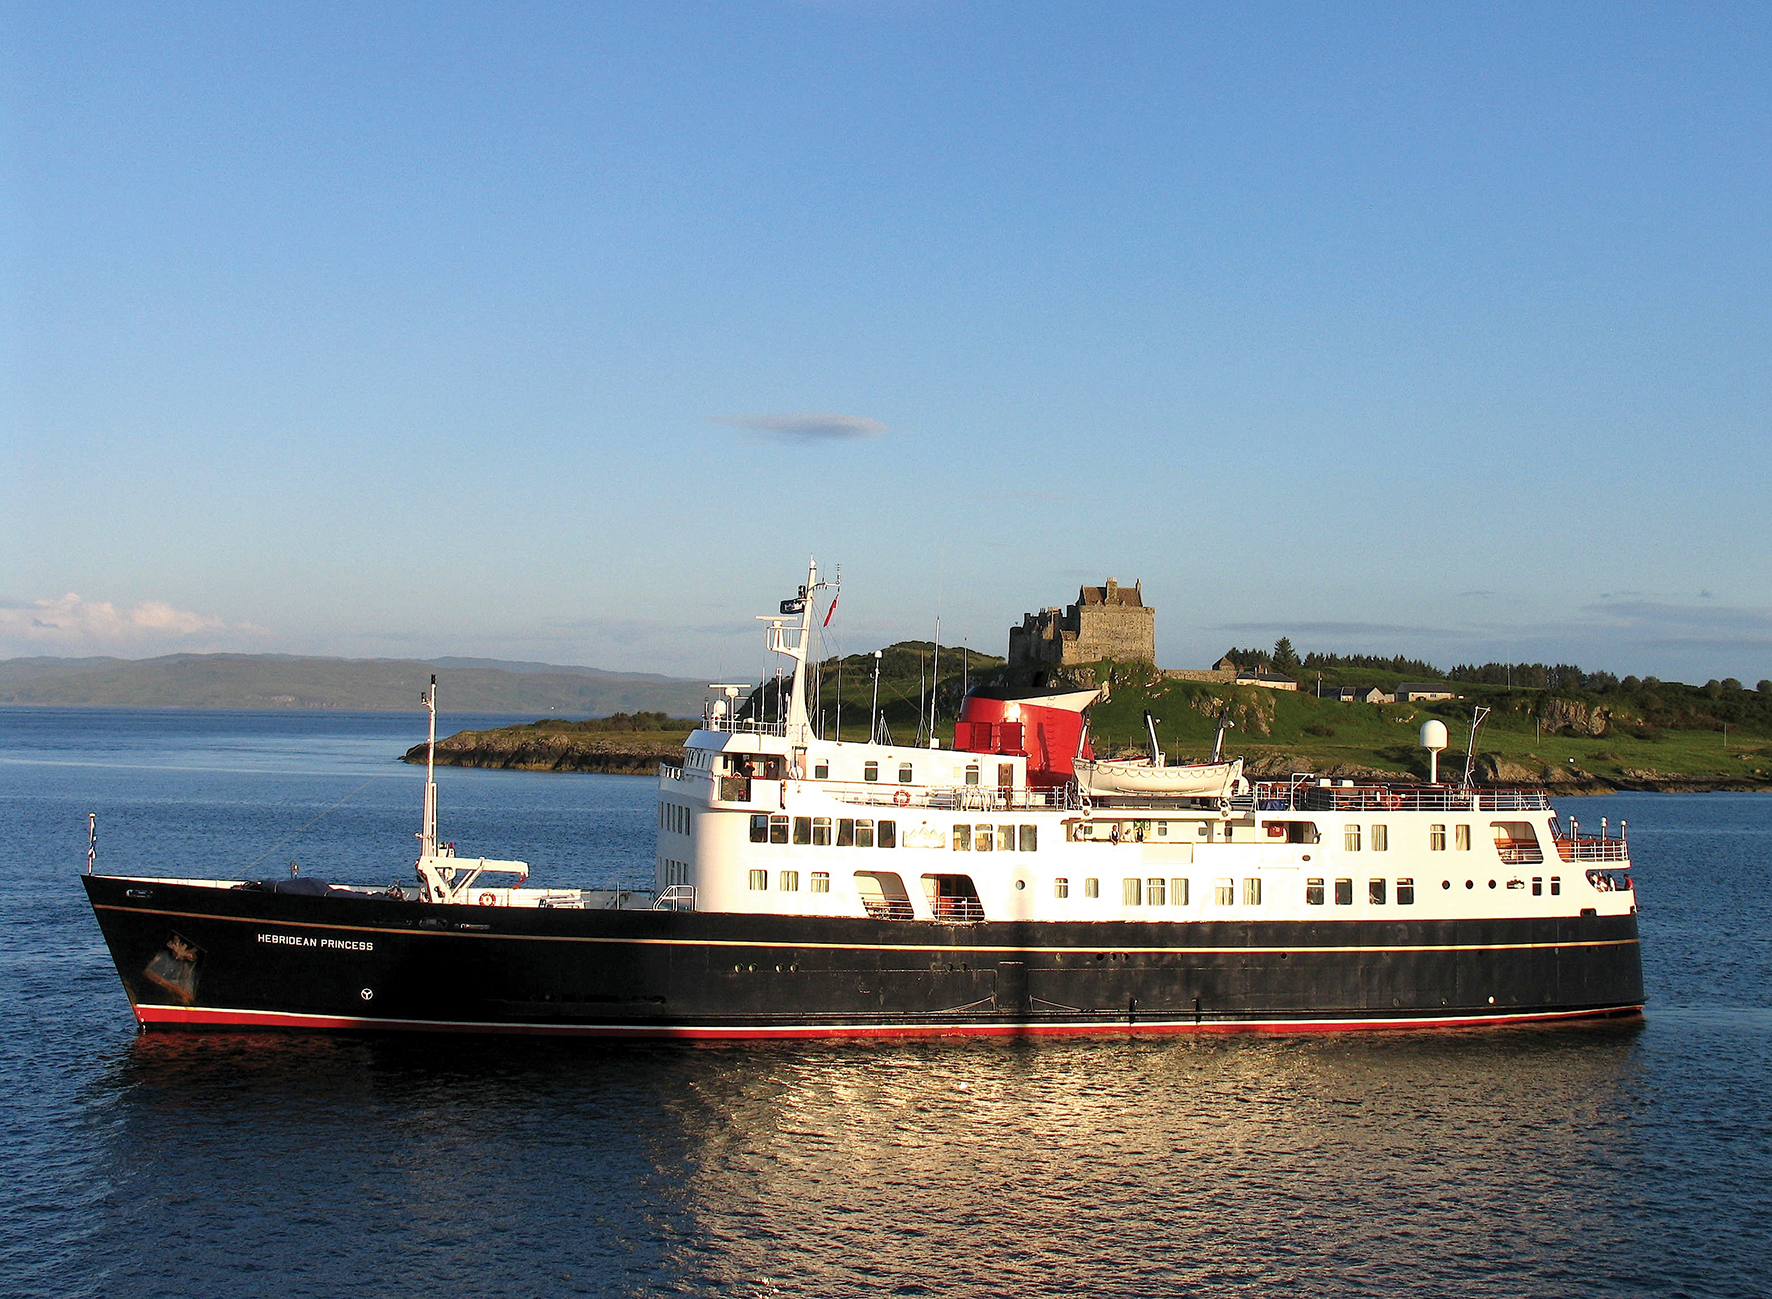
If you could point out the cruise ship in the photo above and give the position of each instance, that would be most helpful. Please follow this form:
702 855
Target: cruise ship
1003 881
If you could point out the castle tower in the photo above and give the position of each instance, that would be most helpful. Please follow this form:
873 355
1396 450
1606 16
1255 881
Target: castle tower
1107 622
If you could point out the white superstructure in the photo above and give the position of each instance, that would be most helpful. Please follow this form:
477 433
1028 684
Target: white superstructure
764 817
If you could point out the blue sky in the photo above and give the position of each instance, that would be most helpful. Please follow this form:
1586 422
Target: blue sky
567 332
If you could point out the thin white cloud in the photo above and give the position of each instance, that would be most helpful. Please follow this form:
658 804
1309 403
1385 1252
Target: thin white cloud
807 425
69 624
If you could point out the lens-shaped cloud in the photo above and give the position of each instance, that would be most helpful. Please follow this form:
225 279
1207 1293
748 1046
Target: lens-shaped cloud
807 425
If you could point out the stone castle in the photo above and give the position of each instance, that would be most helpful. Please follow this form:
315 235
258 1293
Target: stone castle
1106 622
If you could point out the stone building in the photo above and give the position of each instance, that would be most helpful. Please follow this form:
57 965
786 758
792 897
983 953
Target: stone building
1106 622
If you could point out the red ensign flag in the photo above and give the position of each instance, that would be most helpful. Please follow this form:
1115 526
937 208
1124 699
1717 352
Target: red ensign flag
828 612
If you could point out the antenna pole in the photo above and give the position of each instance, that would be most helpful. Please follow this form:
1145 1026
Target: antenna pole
427 836
1478 713
874 710
934 679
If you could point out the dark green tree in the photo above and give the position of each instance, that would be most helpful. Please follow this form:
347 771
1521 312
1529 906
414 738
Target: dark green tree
1285 657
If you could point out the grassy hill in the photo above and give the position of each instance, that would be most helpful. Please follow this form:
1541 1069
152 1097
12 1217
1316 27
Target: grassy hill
1663 736
1651 735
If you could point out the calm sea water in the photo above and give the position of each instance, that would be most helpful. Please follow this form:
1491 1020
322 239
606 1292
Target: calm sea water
1603 1160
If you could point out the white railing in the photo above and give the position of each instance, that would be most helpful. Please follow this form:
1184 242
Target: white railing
745 726
677 897
1299 796
950 798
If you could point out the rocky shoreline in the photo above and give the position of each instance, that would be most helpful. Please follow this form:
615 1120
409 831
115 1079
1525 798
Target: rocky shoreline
517 749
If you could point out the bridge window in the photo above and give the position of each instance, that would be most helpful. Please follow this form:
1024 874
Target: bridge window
1313 893
820 882
760 827
845 832
802 830
1132 892
1030 838
1091 887
870 771
821 832
972 773
1381 838
864 834
778 829
1061 887
1252 892
1156 892
1436 838
1178 893
759 880
1344 893
1375 892
1406 893
790 881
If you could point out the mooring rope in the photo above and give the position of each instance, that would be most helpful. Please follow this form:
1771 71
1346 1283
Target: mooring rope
303 830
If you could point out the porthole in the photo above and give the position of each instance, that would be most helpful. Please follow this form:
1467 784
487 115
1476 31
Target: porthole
1491 883
1021 884
1445 884
1470 884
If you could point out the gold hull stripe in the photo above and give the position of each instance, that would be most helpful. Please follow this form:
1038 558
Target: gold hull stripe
869 947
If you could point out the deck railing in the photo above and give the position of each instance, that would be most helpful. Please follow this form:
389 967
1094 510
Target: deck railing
951 798
1589 848
744 726
1310 795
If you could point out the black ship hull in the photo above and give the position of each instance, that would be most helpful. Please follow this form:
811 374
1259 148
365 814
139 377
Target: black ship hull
197 957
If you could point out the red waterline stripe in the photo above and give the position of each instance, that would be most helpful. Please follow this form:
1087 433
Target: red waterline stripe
187 1017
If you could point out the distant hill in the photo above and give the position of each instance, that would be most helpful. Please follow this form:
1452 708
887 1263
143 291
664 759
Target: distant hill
289 681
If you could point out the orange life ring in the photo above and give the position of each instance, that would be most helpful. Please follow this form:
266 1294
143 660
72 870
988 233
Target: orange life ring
1390 800
902 798
489 899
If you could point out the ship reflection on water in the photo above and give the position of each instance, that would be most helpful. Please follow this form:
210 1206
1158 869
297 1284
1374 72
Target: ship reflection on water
1333 1164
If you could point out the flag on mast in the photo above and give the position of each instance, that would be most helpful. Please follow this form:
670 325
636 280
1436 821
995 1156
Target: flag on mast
828 612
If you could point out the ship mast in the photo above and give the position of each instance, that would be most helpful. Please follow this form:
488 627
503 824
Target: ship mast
798 728
427 836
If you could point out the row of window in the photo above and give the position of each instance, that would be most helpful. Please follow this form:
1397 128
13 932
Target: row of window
1156 891
1376 889
823 832
866 832
672 872
789 881
1173 892
870 772
673 817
